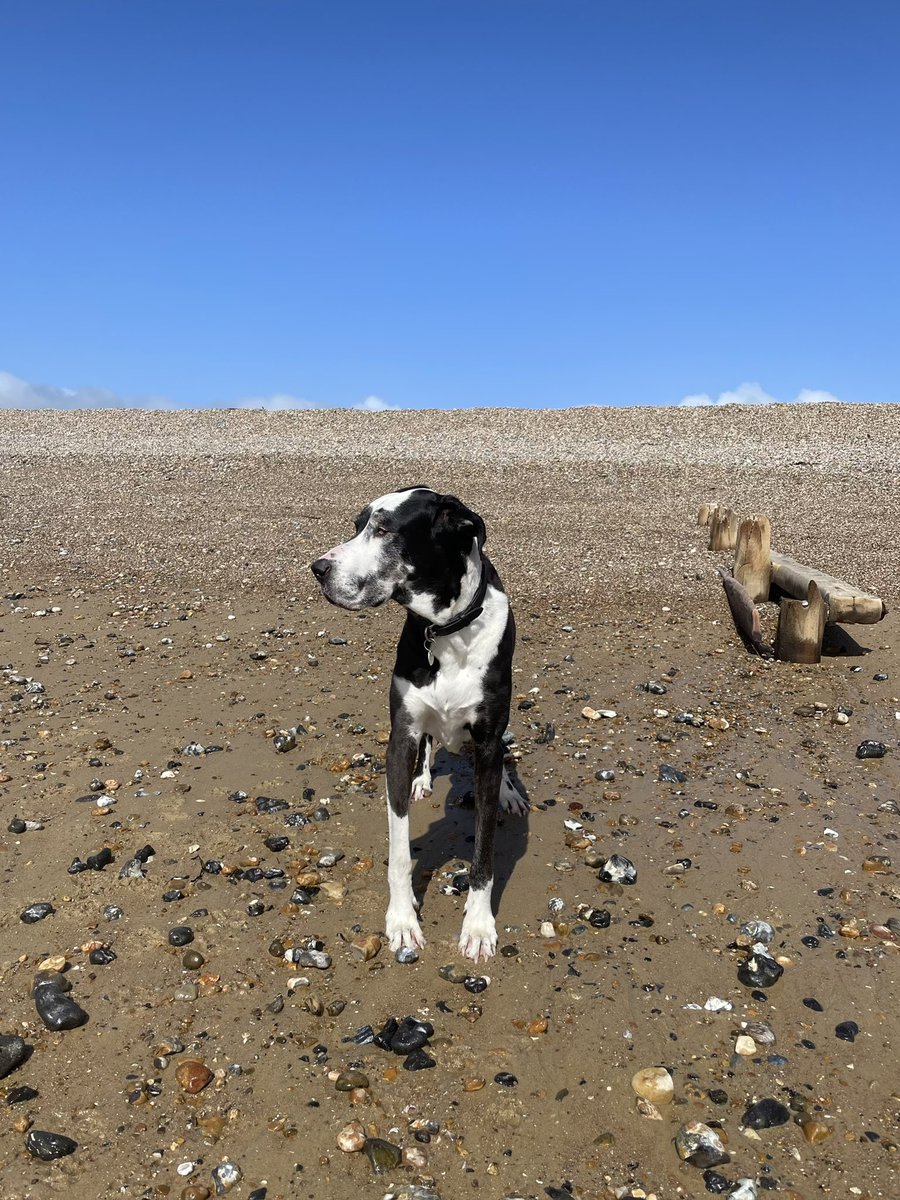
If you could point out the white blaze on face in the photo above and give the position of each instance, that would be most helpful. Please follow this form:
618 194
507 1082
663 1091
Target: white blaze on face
364 572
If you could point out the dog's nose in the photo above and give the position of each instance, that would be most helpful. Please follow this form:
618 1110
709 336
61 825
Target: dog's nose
320 568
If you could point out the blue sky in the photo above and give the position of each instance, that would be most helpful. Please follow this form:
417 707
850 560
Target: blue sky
500 202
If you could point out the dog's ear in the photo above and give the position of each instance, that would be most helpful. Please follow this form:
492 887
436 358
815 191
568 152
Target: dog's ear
453 519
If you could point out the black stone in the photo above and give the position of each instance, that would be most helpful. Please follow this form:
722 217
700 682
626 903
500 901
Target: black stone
21 1095
47 1146
173 894
144 854
13 1053
846 1031
505 1079
96 862
765 1114
812 942
760 971
55 1008
276 843
364 1036
871 749
36 912
670 774
16 825
102 956
411 1034
267 804
600 918
181 935
718 1095
811 1002
475 984
716 1183
418 1061
76 866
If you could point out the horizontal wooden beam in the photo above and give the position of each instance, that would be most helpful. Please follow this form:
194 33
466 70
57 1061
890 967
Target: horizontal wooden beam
844 604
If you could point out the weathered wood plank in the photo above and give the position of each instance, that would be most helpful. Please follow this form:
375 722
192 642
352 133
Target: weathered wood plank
844 604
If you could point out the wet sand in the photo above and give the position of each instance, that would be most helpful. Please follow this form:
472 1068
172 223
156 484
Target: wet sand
156 587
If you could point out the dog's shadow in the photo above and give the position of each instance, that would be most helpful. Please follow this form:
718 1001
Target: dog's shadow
450 836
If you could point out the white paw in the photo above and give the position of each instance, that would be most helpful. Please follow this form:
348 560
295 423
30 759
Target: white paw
420 789
512 801
478 938
402 928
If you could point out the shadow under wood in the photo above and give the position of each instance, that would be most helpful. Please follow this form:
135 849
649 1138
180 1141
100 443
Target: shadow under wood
838 643
451 835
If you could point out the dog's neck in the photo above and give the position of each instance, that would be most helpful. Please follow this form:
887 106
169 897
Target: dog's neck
471 594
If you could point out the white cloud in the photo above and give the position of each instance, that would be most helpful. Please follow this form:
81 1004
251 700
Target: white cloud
18 393
376 404
754 393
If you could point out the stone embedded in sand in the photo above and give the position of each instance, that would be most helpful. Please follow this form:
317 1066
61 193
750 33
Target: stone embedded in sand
745 1046
418 1060
877 864
870 749
765 1114
36 912
759 971
815 1130
700 1145
352 1138
744 1190
225 1176
193 1075
57 1010
410 1034
670 774
406 954
847 1031
365 947
47 1146
13 1052
348 1080
618 869
384 1156
654 1084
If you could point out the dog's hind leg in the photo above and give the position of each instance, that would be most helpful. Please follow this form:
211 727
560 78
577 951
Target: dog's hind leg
478 938
421 784
401 924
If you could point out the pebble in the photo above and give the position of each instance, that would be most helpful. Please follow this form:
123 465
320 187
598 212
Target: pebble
811 1003
348 1080
476 984
411 1034
418 1060
760 971
384 1156
225 1176
745 1046
618 869
193 1075
55 1008
406 954
505 1079
21 1095
744 1190
847 1031
13 1052
756 931
670 774
700 1145
102 956
765 1114
181 935
352 1138
654 1084
716 1183
36 912
47 1146
815 1130
870 749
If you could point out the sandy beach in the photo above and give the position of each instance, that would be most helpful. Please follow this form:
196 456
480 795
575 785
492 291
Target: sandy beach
159 625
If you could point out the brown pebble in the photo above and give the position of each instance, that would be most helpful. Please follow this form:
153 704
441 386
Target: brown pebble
193 1075
195 1191
816 1131
192 960
473 1084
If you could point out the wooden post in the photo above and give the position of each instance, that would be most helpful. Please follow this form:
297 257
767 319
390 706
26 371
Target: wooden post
723 527
753 557
846 604
801 624
704 516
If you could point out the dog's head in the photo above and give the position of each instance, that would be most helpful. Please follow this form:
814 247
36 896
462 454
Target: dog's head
410 544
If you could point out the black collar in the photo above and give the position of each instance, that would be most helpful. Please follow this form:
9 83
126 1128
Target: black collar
465 618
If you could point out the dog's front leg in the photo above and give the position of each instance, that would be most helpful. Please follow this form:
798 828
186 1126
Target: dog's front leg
478 938
401 923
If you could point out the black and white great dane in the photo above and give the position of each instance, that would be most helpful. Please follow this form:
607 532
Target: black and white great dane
452 680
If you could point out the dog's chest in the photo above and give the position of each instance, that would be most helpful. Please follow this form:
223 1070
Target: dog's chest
448 704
